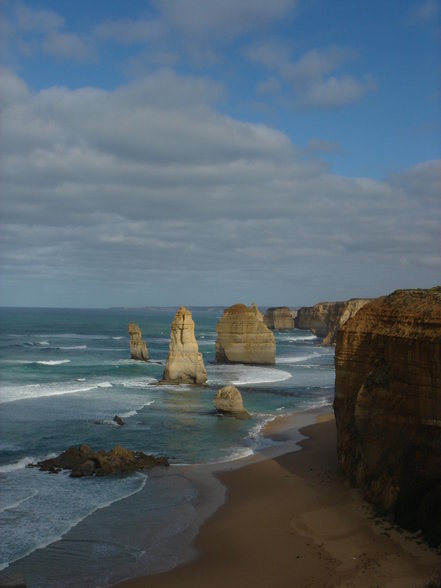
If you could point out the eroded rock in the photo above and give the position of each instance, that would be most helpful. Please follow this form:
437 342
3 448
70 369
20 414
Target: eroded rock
228 400
279 318
325 318
243 337
185 364
138 347
84 461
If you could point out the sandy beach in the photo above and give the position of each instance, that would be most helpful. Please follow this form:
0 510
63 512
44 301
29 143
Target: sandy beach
293 520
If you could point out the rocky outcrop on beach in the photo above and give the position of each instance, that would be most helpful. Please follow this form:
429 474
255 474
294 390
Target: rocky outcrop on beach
228 400
243 337
185 364
84 461
388 406
279 318
325 318
138 347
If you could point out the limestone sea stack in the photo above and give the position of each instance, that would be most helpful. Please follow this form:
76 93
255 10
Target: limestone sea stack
228 400
138 347
243 337
185 364
388 406
279 318
325 318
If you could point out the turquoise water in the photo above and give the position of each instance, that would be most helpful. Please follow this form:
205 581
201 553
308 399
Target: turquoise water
64 375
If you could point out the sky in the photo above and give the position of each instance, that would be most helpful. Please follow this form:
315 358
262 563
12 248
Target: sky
207 152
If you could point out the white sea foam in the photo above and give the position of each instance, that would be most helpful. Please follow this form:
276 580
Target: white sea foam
17 503
52 362
240 374
139 383
118 338
23 462
296 358
16 393
43 343
62 503
72 347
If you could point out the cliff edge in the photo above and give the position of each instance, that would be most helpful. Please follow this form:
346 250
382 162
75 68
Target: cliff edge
388 406
325 318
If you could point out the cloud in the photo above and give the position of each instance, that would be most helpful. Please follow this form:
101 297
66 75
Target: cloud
208 19
127 31
33 31
310 75
424 11
132 197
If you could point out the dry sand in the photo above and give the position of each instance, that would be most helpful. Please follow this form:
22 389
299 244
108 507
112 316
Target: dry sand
293 521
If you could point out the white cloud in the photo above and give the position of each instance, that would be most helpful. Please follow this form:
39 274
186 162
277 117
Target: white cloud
109 189
423 11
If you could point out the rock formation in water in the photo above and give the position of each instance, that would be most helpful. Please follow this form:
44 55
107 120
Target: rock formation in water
388 406
138 347
185 364
228 400
243 337
325 318
279 317
84 461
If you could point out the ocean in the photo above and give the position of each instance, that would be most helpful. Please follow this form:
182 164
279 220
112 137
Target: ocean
64 375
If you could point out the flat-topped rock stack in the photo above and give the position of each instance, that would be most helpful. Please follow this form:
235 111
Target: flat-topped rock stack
279 318
185 364
138 347
243 337
388 406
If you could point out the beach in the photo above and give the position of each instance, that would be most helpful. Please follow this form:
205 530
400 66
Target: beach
294 520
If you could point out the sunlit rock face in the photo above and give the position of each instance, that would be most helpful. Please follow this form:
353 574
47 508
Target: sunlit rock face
228 400
185 364
279 318
243 337
325 318
388 405
138 347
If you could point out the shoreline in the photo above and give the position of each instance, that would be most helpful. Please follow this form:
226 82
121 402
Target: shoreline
120 541
291 514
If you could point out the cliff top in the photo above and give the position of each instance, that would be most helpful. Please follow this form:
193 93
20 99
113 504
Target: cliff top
404 313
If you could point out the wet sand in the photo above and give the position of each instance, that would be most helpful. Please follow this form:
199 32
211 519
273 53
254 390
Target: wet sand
293 520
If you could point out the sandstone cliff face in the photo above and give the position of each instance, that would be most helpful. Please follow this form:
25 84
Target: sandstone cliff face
388 405
243 337
278 318
138 347
325 318
185 364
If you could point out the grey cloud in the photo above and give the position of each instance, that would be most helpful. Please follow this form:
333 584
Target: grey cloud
128 31
204 19
33 31
119 190
310 75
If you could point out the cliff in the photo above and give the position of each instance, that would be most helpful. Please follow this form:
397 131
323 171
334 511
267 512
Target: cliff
243 337
325 318
185 364
138 347
388 406
279 317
